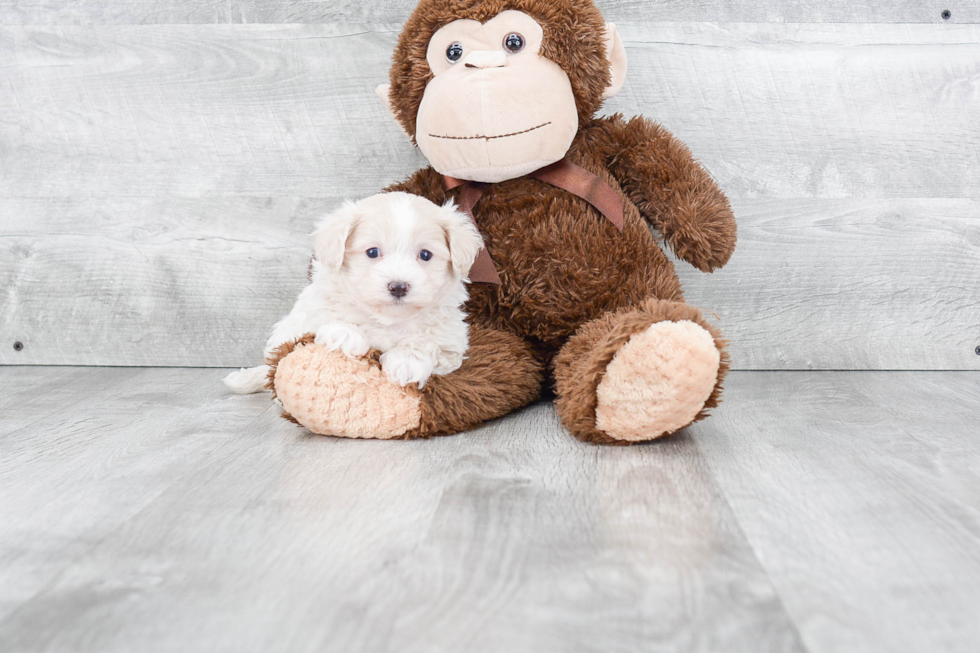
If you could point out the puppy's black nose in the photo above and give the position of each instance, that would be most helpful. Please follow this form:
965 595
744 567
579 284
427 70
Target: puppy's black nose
398 289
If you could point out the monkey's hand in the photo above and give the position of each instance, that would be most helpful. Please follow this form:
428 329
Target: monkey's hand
671 190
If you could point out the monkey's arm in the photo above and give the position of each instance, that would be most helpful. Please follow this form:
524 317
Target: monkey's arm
672 191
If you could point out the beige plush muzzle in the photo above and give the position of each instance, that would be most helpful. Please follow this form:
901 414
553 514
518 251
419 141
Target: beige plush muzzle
493 115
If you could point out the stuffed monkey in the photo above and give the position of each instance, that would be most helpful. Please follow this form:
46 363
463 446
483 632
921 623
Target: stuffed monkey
572 295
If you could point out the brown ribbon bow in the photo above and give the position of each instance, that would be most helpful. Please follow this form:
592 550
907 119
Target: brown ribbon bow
563 174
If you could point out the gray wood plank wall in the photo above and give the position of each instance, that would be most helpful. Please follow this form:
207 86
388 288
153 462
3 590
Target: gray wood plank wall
157 182
143 12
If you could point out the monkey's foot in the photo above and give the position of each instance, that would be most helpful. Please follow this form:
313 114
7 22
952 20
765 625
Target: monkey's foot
332 394
658 381
639 373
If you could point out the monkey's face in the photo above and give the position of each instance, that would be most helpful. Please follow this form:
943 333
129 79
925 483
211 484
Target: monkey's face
496 108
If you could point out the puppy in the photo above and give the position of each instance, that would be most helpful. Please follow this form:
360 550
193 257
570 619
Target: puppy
389 274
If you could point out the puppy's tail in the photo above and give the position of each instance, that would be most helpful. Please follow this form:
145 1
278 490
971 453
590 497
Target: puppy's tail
247 380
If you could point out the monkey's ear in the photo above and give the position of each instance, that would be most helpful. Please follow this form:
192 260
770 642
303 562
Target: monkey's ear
382 92
616 54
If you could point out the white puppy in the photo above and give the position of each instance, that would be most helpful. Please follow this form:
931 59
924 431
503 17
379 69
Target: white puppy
389 275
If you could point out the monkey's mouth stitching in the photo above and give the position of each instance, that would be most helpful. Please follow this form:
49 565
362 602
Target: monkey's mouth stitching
472 138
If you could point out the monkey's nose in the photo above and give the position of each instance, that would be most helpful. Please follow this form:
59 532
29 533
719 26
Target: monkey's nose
398 289
486 59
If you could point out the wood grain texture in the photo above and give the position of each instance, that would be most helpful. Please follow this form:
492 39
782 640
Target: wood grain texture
815 111
93 449
859 492
157 182
197 111
814 284
849 284
38 392
97 12
131 282
515 537
787 111
816 511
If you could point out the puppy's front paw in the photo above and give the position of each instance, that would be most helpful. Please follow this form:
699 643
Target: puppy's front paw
343 336
404 366
448 361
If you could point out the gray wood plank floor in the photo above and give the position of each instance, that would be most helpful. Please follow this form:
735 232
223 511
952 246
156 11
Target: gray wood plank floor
143 509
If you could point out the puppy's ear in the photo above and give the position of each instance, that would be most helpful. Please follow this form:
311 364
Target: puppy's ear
330 237
463 237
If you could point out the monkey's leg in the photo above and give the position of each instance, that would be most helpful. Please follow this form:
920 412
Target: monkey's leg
331 394
639 373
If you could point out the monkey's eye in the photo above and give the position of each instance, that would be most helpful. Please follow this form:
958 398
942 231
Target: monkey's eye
514 42
425 255
374 252
454 52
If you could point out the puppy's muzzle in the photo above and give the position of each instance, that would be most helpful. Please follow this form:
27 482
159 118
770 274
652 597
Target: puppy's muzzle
398 289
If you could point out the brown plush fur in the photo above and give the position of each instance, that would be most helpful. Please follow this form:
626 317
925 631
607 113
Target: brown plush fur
499 375
563 264
580 366
573 289
669 188
574 32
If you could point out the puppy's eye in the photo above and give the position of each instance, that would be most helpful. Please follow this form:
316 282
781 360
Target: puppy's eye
374 252
425 255
454 52
514 42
